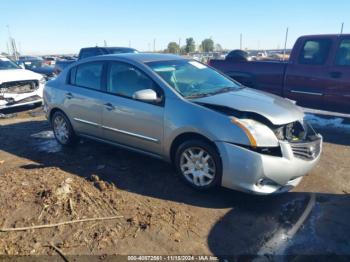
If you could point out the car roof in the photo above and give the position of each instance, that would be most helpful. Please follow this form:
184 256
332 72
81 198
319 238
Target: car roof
145 57
325 36
109 47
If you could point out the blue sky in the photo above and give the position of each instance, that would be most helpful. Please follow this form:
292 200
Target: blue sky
64 26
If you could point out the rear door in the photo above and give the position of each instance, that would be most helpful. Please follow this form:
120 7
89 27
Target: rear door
337 97
307 76
128 121
83 102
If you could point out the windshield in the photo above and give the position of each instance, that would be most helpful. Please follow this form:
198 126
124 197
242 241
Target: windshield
193 79
6 64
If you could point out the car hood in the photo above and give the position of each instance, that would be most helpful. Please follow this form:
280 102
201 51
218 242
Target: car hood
276 109
18 75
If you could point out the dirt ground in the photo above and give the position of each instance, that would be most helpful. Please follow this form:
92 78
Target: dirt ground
43 183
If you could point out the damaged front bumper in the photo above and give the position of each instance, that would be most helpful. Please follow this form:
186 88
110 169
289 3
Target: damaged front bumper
20 93
253 172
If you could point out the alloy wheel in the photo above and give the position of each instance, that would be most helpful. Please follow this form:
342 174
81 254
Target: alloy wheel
61 130
197 166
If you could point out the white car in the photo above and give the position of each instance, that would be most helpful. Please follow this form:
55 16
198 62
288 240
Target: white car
19 86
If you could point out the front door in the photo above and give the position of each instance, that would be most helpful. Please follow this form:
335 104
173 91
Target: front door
307 77
337 97
128 121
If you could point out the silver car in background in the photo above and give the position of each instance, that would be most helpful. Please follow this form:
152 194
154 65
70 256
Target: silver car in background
214 131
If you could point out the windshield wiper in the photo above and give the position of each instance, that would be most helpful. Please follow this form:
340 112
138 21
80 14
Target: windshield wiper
197 95
220 91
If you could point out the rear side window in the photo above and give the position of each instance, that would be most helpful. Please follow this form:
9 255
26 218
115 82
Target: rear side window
315 52
343 54
87 75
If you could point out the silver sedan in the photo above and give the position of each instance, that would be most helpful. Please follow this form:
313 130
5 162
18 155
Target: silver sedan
214 130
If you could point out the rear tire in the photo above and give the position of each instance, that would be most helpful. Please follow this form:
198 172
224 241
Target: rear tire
199 164
63 129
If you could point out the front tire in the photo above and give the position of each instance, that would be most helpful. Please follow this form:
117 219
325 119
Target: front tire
199 164
63 129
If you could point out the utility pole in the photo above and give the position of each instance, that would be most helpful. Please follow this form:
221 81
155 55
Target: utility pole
12 44
8 49
342 28
285 45
179 45
241 41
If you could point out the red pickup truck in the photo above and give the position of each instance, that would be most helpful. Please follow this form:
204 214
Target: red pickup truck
317 74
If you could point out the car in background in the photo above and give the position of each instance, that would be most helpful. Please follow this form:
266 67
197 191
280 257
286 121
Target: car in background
50 61
66 57
37 65
317 74
89 52
61 65
95 51
19 86
215 131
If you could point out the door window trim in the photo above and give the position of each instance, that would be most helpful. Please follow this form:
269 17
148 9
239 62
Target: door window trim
74 69
108 66
104 79
327 58
336 53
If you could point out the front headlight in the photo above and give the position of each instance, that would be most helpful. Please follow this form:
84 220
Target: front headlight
259 135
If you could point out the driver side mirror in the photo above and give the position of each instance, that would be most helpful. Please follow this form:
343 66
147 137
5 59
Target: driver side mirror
146 95
21 65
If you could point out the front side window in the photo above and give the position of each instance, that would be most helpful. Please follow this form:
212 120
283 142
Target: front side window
88 75
343 54
315 52
192 79
124 80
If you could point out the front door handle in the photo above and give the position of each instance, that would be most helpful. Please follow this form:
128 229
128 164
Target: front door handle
69 95
336 74
109 106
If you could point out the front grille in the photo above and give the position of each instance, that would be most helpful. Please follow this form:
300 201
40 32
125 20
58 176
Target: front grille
304 141
19 87
307 151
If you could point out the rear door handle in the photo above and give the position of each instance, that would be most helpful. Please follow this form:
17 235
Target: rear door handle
69 95
336 74
109 106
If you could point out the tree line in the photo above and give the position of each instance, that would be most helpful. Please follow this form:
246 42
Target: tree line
207 45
